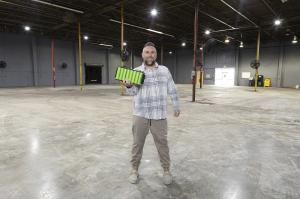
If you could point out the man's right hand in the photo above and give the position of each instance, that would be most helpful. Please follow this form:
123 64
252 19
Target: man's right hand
126 83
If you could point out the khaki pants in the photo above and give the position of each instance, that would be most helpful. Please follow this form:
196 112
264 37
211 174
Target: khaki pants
159 131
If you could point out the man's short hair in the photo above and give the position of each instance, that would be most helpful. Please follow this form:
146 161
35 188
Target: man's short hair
149 44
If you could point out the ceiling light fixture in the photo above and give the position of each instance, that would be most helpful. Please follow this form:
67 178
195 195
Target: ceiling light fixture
295 40
242 44
153 12
227 40
27 28
107 45
207 32
277 22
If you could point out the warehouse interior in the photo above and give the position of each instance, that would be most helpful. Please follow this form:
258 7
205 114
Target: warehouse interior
66 122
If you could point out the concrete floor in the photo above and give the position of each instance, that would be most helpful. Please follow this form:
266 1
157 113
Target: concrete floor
232 144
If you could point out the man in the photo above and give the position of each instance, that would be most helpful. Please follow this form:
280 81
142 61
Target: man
150 107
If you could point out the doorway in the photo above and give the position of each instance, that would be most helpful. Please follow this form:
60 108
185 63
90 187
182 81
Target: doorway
93 74
224 76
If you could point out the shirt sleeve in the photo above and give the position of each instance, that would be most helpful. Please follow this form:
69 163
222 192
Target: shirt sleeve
172 92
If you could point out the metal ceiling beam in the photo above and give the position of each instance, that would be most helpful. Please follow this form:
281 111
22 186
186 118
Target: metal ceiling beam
58 6
232 8
219 20
232 29
147 29
87 17
269 7
10 3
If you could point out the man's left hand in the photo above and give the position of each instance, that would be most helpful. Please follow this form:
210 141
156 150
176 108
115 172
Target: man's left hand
177 113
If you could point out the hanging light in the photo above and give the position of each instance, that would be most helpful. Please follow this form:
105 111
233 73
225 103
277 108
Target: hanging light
207 32
27 28
153 12
106 45
85 37
295 40
183 44
227 40
277 22
242 44
170 52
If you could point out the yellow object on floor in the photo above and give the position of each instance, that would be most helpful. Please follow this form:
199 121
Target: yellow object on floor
267 82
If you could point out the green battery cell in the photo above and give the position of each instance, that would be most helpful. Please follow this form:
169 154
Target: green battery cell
136 77
130 74
140 77
117 73
121 73
127 74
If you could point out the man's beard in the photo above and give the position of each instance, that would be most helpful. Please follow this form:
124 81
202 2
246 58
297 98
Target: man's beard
150 62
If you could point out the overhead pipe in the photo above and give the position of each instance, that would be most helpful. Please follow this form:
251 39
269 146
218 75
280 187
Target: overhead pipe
269 7
219 20
209 15
139 27
231 29
224 2
58 6
10 3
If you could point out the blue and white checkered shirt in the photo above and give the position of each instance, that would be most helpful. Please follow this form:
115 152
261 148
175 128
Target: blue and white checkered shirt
151 98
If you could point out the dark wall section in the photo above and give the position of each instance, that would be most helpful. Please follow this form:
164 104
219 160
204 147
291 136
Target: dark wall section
16 52
29 62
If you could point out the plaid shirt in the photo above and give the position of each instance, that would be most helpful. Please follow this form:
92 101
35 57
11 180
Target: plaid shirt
151 98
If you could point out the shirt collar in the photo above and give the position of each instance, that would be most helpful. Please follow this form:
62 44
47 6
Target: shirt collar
144 67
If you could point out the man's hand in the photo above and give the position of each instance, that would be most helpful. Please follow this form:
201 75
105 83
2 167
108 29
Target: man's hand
177 113
126 83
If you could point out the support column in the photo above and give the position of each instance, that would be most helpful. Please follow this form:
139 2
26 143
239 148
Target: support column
76 62
132 59
257 59
195 50
80 57
237 59
122 88
280 66
34 61
107 65
53 64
